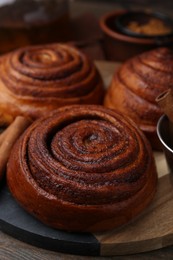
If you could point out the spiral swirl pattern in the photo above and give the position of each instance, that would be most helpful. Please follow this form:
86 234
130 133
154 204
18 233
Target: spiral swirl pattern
92 163
35 80
136 85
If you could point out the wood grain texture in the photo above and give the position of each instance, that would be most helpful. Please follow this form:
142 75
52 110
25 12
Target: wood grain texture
12 249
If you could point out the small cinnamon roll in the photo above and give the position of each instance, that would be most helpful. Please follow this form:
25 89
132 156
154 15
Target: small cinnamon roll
136 85
37 79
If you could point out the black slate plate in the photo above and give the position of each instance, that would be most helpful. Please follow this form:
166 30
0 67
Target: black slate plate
16 222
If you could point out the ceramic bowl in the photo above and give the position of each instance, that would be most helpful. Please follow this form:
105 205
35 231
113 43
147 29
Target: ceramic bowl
145 24
165 134
121 45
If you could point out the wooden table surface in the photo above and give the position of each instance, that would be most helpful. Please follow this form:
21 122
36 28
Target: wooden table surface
13 249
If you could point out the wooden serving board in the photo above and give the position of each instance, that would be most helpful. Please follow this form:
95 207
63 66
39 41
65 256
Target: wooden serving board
153 229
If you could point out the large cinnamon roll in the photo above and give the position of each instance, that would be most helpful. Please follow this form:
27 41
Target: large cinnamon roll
35 80
136 85
83 168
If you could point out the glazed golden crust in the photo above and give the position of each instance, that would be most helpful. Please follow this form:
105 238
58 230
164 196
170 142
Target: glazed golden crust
36 80
136 85
83 168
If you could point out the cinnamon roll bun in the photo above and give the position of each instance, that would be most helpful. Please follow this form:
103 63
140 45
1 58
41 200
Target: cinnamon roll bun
136 85
37 79
83 168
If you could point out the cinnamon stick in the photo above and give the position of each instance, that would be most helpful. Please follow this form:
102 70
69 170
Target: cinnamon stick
165 101
9 137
